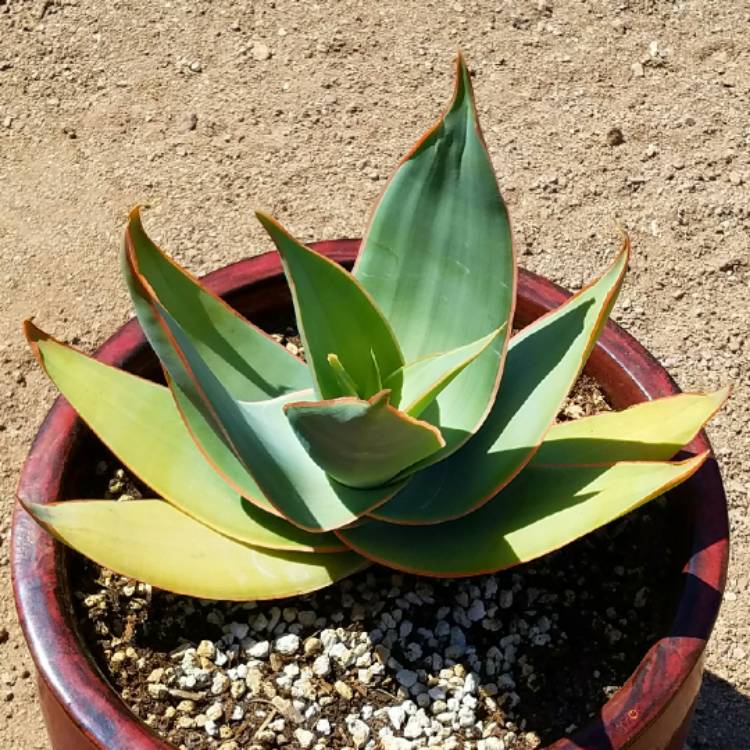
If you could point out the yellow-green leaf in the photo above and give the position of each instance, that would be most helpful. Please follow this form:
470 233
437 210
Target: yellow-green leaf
137 420
151 541
347 385
651 431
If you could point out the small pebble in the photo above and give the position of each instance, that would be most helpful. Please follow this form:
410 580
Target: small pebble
323 727
188 122
206 649
304 737
287 644
397 716
343 690
615 137
313 646
259 650
359 732
261 52
406 677
321 666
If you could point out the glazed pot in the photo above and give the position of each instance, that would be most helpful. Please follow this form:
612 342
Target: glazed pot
651 711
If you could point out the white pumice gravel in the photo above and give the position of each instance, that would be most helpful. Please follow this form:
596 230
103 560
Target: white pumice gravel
259 650
287 644
388 661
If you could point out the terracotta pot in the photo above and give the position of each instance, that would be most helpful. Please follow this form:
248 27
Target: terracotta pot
651 711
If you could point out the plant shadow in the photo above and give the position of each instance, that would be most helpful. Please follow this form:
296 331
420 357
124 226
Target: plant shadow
722 717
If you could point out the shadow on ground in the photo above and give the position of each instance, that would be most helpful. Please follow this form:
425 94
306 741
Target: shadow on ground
722 717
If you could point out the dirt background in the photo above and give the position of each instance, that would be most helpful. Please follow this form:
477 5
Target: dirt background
206 110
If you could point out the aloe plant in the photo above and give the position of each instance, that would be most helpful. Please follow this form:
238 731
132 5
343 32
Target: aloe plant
418 433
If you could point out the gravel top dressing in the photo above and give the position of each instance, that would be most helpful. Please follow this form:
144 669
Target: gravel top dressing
383 660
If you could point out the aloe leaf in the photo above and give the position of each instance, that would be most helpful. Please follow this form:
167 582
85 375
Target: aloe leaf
138 422
377 376
650 431
151 541
200 419
260 435
249 362
361 443
540 511
544 361
438 260
424 379
348 386
334 314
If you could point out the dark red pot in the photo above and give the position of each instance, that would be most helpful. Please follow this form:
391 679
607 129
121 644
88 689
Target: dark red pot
651 711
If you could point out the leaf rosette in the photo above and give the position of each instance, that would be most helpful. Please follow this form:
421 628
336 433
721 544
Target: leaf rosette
418 432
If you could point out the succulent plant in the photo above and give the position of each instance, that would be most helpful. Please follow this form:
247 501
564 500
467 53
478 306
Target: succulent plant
418 433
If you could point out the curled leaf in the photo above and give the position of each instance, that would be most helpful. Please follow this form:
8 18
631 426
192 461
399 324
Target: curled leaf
362 443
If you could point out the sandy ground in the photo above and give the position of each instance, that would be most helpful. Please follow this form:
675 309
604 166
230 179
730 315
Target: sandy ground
206 110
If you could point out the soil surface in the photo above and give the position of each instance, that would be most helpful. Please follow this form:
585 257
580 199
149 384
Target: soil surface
597 114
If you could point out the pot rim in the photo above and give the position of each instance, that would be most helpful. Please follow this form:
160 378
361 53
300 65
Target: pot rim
40 584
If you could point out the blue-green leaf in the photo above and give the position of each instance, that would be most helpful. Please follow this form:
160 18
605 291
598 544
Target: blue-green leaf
543 363
249 362
438 260
335 315
259 434
362 443
424 379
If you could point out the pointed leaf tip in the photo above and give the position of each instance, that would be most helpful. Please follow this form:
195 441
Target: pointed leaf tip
269 223
649 431
348 386
441 232
32 333
725 393
463 78
380 399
